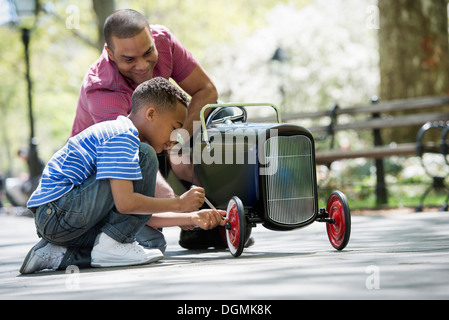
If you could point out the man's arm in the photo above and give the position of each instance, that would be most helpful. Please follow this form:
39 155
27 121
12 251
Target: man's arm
202 90
163 189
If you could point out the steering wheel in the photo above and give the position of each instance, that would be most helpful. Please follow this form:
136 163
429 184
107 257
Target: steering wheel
227 118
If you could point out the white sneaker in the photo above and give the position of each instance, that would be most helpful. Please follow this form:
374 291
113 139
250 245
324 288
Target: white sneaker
108 252
44 255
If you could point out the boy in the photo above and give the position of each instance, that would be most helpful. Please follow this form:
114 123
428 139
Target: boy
97 192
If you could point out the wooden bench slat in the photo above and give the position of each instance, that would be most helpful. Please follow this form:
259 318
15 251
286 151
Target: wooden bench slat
398 105
387 122
404 149
382 107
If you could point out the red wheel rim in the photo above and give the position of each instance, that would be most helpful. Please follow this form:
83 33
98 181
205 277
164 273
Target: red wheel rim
234 232
235 228
336 230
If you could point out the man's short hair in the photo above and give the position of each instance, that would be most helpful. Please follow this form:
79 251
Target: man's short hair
160 94
124 24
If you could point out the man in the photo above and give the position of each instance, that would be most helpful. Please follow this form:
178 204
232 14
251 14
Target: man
135 52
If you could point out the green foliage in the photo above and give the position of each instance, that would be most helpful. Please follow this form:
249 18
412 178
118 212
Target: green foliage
59 60
62 49
333 58
200 24
12 97
406 182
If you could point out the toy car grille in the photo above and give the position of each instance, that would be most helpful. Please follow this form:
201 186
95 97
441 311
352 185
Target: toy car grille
290 184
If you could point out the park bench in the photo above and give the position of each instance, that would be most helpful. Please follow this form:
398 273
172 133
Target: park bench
374 117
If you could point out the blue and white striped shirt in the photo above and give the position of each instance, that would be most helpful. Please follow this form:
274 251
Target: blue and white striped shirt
110 149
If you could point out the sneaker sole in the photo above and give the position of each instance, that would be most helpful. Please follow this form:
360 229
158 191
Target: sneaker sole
121 263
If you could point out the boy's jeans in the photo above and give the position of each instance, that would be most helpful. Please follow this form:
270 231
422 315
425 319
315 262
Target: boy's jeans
80 215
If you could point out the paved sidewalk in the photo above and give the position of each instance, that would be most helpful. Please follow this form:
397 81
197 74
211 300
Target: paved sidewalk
394 256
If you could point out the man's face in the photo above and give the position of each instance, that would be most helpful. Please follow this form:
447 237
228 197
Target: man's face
135 57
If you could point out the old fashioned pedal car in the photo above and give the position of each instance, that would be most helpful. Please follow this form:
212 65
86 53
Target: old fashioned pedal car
262 173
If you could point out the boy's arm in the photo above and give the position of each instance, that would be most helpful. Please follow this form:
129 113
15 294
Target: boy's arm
205 219
129 202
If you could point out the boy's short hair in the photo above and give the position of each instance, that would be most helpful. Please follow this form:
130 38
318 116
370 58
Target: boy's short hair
124 24
160 94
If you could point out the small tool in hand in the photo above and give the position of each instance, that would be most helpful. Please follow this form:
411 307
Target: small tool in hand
205 199
228 225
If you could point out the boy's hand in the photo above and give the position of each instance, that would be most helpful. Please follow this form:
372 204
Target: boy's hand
209 218
192 200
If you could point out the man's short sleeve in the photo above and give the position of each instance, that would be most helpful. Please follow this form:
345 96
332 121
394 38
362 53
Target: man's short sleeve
175 61
118 158
183 61
105 104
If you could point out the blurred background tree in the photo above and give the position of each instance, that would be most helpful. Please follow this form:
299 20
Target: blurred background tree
67 39
414 52
330 53
413 38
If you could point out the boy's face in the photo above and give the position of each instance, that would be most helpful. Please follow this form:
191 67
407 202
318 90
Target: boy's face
160 125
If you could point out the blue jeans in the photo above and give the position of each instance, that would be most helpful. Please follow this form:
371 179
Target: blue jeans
75 220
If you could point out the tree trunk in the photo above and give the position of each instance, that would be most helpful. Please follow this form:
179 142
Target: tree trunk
414 53
103 8
413 47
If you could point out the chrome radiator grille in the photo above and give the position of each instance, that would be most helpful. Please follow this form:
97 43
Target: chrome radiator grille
290 186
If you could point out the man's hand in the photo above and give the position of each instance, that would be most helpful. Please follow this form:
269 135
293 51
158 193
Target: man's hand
192 200
209 218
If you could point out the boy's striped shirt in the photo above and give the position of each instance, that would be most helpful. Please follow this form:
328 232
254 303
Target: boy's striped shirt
110 149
